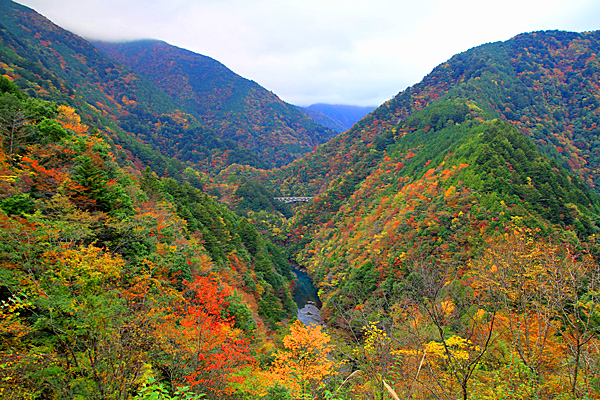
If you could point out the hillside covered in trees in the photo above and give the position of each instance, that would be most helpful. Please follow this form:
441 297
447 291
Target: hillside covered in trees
192 124
452 234
102 267
233 107
436 215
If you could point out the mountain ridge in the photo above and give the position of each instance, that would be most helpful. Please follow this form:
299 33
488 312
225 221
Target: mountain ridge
236 108
56 65
471 78
453 235
339 117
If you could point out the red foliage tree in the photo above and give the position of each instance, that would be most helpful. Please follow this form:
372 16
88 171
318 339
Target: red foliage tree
208 333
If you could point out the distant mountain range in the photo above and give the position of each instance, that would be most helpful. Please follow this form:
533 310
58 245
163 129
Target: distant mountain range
338 117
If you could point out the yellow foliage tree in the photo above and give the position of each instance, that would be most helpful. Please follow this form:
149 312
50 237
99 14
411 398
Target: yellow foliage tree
69 119
548 297
304 362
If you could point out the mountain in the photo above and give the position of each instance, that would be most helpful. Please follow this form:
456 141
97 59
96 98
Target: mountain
431 214
51 63
338 117
145 120
544 83
234 107
452 234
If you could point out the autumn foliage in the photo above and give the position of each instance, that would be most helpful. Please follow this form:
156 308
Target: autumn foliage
304 363
109 278
452 233
208 333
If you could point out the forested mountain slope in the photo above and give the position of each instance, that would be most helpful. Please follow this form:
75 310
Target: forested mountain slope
440 191
117 271
462 214
499 88
145 120
234 107
53 64
544 83
461 235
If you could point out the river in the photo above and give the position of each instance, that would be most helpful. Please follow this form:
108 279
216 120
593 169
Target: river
307 299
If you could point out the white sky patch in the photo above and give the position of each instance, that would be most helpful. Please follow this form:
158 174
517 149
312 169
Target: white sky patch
329 51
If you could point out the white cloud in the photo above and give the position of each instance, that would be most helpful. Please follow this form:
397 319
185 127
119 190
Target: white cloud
352 52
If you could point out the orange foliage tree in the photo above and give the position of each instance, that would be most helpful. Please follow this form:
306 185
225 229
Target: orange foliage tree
304 363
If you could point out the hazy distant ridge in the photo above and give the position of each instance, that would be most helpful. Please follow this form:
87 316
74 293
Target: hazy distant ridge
338 117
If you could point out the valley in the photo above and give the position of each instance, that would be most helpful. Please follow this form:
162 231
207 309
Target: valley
172 230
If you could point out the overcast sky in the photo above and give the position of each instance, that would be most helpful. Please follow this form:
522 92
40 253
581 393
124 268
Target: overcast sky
360 52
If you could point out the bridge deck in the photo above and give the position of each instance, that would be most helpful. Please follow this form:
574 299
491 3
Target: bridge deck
288 200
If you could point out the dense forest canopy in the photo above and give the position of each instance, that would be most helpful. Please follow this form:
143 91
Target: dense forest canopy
235 108
452 233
